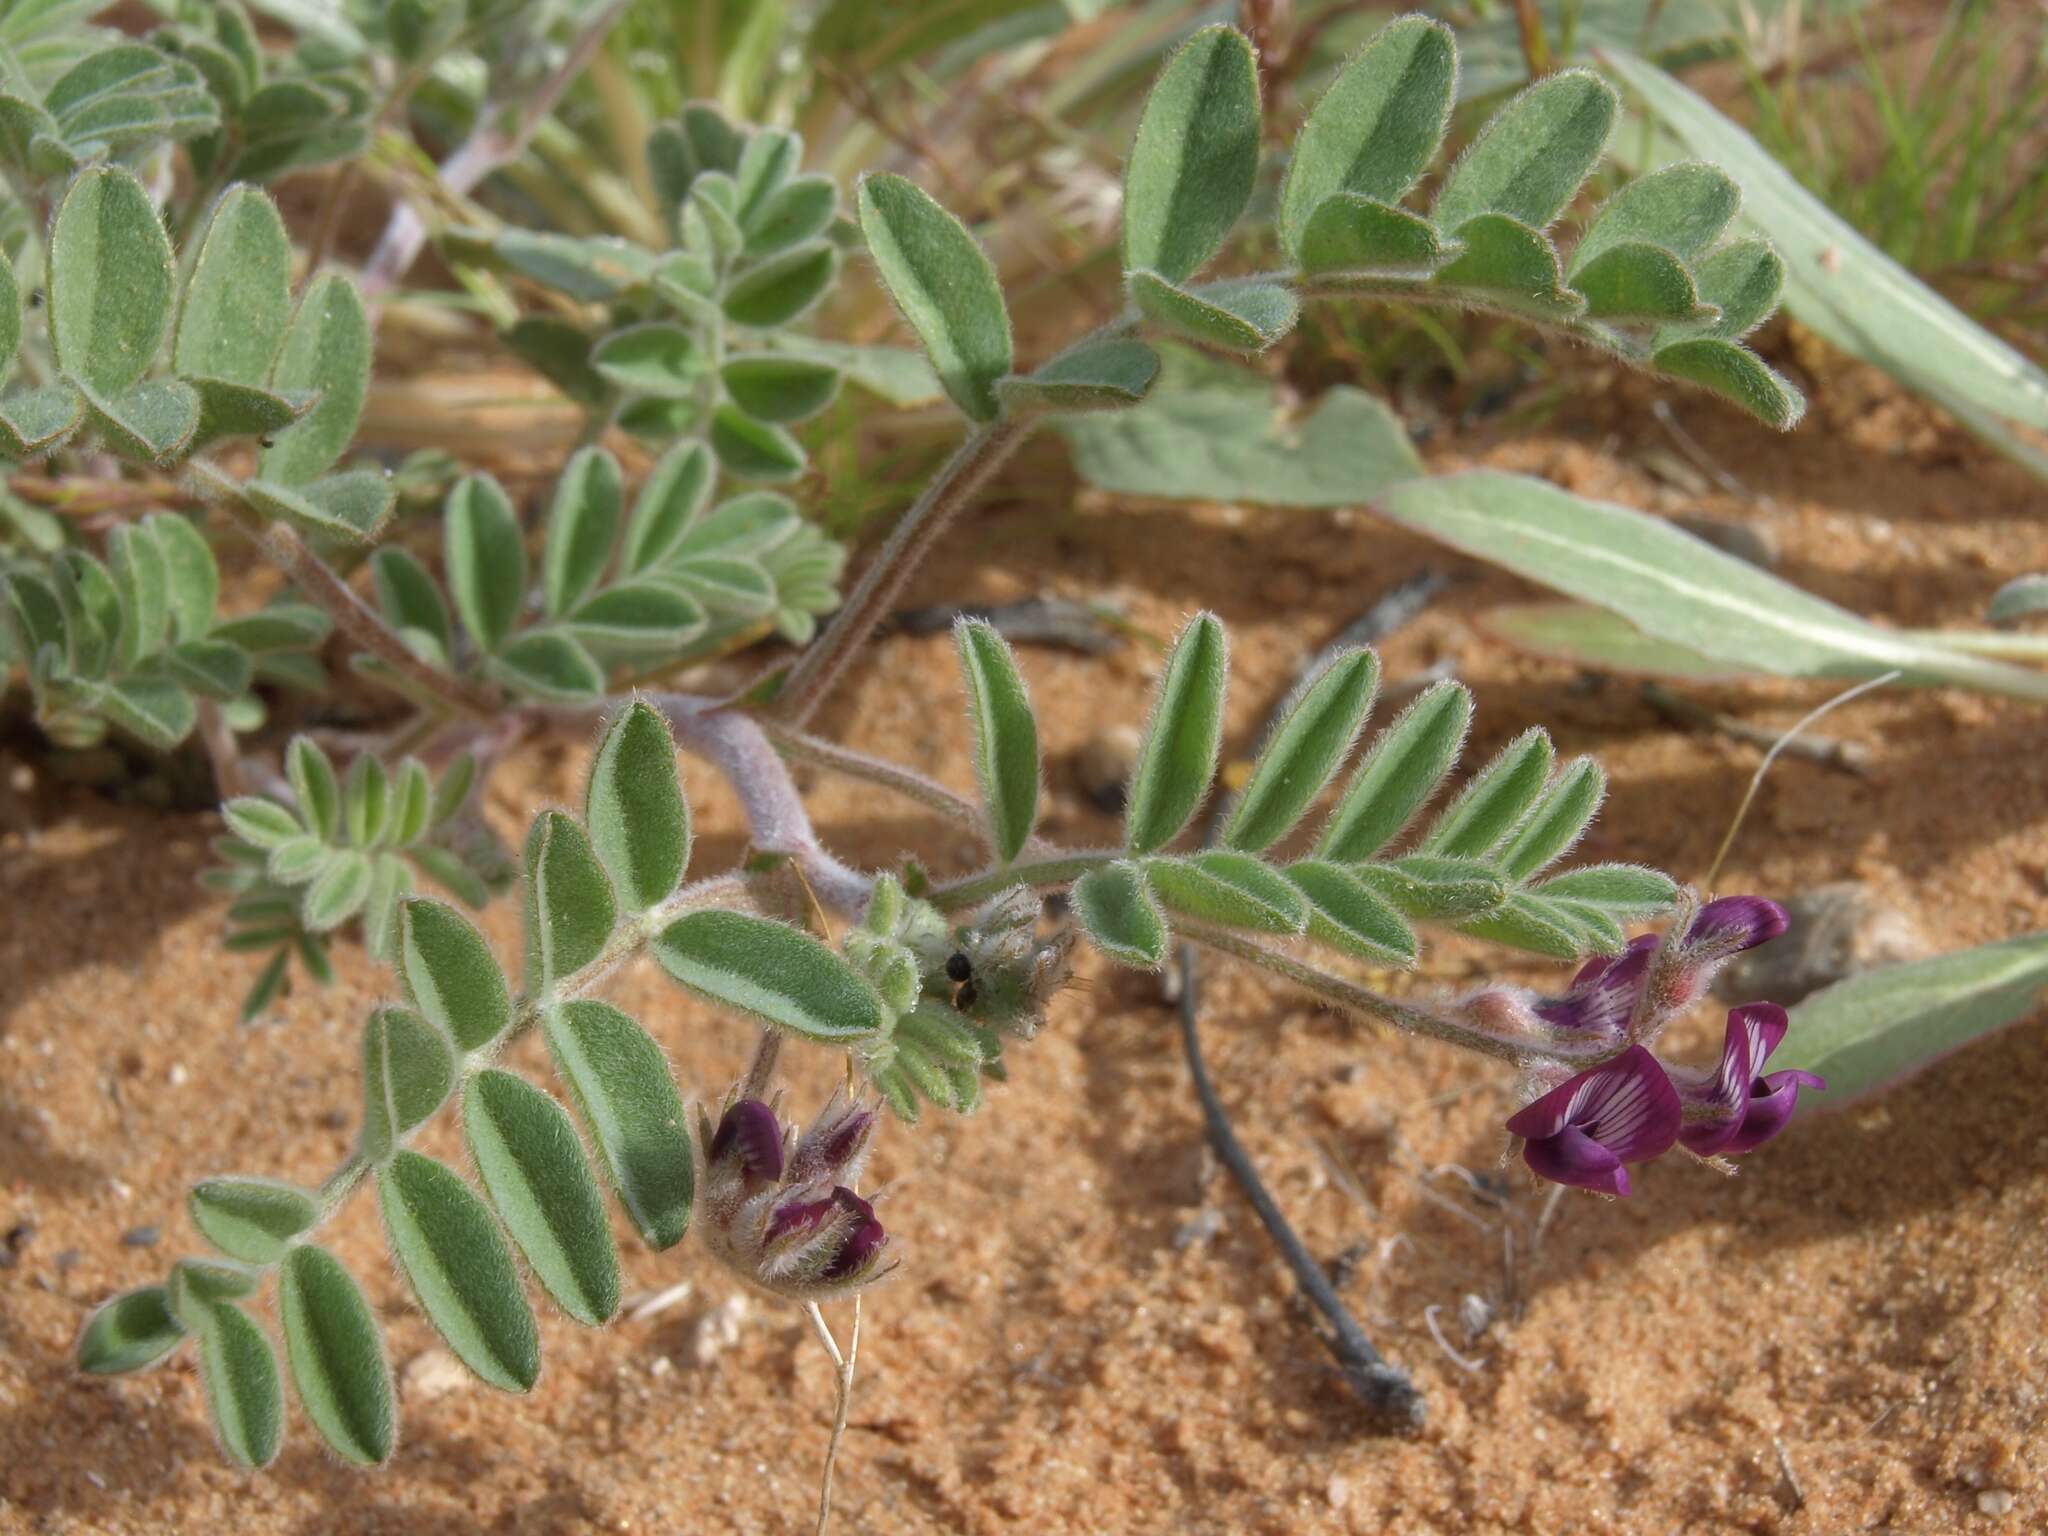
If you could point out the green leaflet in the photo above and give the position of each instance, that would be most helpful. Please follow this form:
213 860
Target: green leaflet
1348 914
110 282
133 1330
1406 763
1682 208
1627 893
1314 735
1513 265
639 821
1178 757
1637 281
1496 800
336 1354
408 1073
244 1392
1116 909
771 972
1736 373
253 1220
1558 820
1195 156
583 526
1351 233
460 1268
238 300
313 783
781 288
570 911
627 1099
485 557
1596 639
771 386
1743 279
549 665
1532 154
155 421
655 359
1237 315
1436 890
1377 127
1005 736
671 498
944 286
1235 890
526 1151
450 975
1102 375
754 450
326 351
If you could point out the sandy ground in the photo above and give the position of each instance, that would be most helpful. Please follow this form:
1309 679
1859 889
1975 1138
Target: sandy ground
1088 1333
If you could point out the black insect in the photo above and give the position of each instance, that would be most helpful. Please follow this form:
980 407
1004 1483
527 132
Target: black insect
968 995
35 298
959 967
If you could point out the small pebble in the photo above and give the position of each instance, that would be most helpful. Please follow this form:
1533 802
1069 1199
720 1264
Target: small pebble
1199 1228
716 1331
141 1237
431 1374
1995 1501
19 1236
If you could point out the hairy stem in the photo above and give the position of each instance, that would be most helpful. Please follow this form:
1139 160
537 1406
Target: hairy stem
798 747
1059 869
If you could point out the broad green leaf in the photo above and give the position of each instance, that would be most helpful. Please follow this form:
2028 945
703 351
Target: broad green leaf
1005 736
1100 375
1675 587
37 419
485 558
1596 639
250 1219
153 710
1377 127
772 386
1513 266
1870 1031
570 911
627 1098
1435 890
777 290
1240 316
1532 155
1558 819
1351 233
450 975
460 1268
313 782
244 1392
1732 370
670 499
327 351
771 972
337 892
639 821
1637 281
155 421
1494 803
550 665
754 450
110 281
1233 889
1348 914
238 300
1177 759
531 1162
1211 431
1406 763
583 526
655 359
408 1073
410 597
944 285
1682 209
1116 909
1843 287
133 1330
1314 735
336 1354
1626 892
1195 157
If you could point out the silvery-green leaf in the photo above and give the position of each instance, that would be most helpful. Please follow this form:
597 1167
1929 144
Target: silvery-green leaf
771 972
1406 763
1178 756
799 210
777 290
336 1354
1435 890
1682 208
1349 232
592 269
1496 800
451 794
408 1073
238 299
754 450
1531 922
1348 914
366 800
155 421
412 800
326 352
337 892
1239 316
1558 819
314 784
747 525
770 158
549 665
583 526
899 375
282 626
410 597
34 420
450 975
527 1153
1732 370
213 669
390 883
1597 640
485 557
133 1330
1533 153
727 587
1512 265
244 1392
1743 280
253 1220
1005 736
1195 156
1115 908
192 579
570 910
944 285
772 386
154 710
1098 376
654 358
299 860
560 352
137 565
670 499
1673 586
1637 281
1314 735
244 410
1233 889
110 282
461 1270
353 505
10 315
1626 892
1376 128
639 821
621 1084
637 618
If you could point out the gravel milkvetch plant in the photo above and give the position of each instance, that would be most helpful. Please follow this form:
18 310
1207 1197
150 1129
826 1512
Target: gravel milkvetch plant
923 987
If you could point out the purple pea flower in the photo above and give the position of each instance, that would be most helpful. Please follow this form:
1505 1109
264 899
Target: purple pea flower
1585 1129
1603 995
1738 1108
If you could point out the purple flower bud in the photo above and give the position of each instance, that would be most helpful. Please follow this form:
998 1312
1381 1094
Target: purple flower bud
1584 1130
835 1146
1603 994
750 1133
1725 928
796 1217
1745 1109
863 1245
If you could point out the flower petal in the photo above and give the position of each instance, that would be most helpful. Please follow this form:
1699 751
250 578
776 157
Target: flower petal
1630 1107
1772 1100
750 1131
1574 1158
1603 994
1727 927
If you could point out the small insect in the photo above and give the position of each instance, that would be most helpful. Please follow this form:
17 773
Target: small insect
968 995
35 298
959 967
